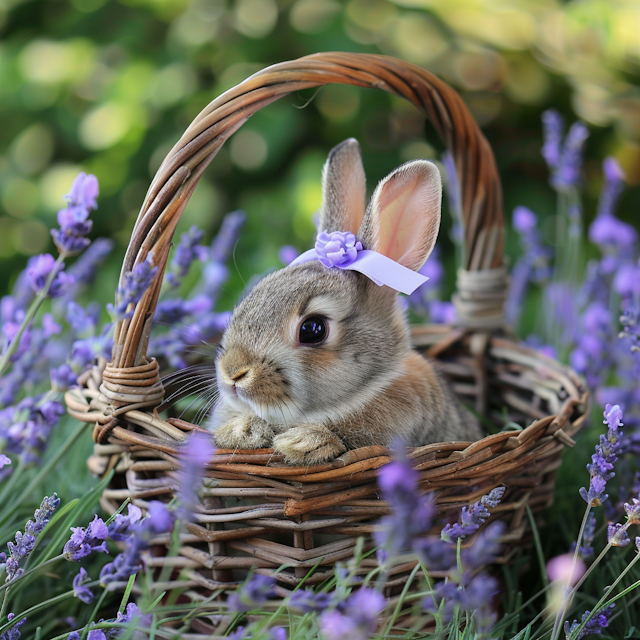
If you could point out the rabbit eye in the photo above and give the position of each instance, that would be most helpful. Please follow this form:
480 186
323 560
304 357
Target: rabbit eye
313 330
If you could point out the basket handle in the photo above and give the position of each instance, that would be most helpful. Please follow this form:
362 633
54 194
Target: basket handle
482 282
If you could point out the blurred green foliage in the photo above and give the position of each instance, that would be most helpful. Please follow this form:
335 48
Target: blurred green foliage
108 87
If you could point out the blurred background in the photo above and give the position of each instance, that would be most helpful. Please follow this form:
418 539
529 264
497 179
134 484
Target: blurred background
108 87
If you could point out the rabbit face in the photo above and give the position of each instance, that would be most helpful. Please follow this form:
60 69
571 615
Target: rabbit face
300 344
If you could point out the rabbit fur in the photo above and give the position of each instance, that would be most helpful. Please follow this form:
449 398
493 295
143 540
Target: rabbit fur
363 385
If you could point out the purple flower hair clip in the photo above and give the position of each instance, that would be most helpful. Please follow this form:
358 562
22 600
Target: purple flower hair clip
342 249
337 249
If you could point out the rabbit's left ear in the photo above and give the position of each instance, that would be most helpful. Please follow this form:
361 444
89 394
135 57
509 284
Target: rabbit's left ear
343 189
403 217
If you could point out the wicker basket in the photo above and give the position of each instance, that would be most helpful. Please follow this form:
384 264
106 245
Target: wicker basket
258 512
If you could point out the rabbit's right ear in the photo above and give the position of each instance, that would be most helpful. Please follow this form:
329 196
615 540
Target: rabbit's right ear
343 189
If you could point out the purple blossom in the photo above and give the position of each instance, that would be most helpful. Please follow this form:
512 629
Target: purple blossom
188 250
256 591
24 543
632 510
4 460
568 171
193 462
553 132
121 527
80 590
225 241
485 547
84 542
287 254
39 269
84 192
614 178
307 601
176 310
337 248
135 285
593 627
94 634
617 535
453 196
62 378
609 233
129 562
25 427
85 268
278 633
74 218
471 518
586 548
83 321
601 467
14 632
524 220
357 619
50 327
411 512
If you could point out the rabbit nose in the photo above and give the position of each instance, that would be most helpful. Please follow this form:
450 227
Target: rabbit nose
238 375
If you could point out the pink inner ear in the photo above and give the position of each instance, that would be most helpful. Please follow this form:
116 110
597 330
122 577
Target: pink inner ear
407 226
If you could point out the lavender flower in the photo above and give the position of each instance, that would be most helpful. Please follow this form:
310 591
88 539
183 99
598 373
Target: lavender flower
74 219
224 243
80 590
532 267
411 512
129 562
471 518
617 535
586 548
62 378
614 178
594 626
287 254
24 543
25 427
83 321
84 542
84 192
188 250
601 467
4 460
135 284
307 601
453 197
14 632
357 619
568 171
632 510
193 461
256 591
40 268
85 268
121 527
553 132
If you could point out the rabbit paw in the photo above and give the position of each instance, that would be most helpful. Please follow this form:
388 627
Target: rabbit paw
308 444
243 432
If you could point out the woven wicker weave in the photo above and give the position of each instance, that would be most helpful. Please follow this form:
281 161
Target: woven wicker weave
257 511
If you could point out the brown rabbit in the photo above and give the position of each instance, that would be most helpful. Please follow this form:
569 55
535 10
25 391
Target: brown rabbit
318 360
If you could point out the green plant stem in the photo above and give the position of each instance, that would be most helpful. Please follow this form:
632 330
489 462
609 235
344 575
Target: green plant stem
4 602
538 547
600 602
30 315
566 600
30 572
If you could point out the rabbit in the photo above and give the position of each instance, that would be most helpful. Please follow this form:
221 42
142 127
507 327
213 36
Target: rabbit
316 361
